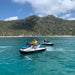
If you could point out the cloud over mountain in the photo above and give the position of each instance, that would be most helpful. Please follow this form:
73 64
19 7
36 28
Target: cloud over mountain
11 18
50 7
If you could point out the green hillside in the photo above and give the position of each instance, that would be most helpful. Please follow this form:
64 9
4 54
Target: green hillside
35 25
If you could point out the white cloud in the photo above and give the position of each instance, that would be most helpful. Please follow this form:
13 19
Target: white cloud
66 16
71 18
40 15
50 7
11 18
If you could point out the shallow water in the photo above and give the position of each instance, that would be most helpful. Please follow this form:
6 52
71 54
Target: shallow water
56 60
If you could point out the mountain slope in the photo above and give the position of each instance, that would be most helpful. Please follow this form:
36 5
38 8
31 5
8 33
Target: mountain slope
35 25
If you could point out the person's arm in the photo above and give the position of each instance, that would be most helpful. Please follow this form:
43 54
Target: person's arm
31 42
36 42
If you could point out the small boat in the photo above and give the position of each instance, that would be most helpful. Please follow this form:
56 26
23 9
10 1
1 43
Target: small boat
48 43
30 49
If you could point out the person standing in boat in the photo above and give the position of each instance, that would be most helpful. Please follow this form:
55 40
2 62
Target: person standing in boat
34 42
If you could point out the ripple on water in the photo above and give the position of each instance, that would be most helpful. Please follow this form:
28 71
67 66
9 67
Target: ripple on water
56 60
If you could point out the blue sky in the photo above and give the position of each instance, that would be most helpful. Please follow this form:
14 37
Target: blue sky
20 9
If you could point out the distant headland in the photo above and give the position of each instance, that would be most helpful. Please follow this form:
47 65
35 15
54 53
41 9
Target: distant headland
37 26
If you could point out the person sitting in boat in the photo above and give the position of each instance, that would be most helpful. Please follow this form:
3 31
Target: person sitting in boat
34 42
46 41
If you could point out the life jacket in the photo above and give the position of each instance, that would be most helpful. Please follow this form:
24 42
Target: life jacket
45 40
34 42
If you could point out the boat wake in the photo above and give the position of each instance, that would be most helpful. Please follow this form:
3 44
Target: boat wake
28 58
57 49
54 49
2 47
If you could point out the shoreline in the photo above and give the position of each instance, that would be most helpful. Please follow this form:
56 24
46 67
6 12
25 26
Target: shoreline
42 36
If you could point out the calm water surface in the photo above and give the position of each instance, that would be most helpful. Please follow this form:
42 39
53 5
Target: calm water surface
56 60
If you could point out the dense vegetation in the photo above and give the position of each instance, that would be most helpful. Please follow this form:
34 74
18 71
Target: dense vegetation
35 25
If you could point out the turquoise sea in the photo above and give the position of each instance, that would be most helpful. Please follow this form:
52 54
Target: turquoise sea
56 60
